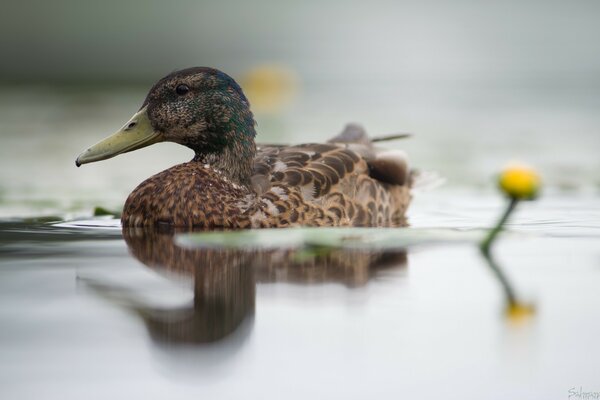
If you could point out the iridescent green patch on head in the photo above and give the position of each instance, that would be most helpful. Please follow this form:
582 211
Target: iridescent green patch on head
193 106
205 110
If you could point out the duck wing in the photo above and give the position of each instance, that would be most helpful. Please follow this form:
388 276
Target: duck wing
317 167
346 181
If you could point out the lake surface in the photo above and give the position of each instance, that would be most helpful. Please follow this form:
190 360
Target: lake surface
88 311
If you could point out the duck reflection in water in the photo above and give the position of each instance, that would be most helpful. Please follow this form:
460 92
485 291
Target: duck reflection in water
224 280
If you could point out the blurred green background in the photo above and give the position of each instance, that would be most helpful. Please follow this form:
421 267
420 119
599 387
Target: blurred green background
551 44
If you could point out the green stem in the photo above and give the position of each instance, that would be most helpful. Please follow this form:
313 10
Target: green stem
485 248
487 243
511 298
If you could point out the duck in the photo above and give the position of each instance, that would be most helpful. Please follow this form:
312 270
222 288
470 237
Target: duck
234 183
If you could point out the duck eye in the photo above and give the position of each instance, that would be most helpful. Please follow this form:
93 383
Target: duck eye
182 89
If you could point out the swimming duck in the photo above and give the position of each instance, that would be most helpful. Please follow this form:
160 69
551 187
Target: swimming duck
231 183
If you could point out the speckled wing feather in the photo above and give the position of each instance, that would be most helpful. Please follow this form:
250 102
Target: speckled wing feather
341 183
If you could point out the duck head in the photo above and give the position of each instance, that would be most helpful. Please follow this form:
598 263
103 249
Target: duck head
201 108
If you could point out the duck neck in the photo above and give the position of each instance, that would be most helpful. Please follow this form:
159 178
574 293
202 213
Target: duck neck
235 159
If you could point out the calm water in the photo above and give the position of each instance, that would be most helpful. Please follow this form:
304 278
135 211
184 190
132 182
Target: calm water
87 311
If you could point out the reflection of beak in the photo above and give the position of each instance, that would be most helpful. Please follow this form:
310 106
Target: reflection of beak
136 133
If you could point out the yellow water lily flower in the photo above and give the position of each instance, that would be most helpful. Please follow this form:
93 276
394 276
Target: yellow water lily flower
269 87
519 313
520 182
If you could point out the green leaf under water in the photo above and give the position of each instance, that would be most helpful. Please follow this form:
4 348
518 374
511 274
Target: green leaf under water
368 238
101 212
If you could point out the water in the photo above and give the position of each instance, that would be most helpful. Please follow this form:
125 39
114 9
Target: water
87 311
86 314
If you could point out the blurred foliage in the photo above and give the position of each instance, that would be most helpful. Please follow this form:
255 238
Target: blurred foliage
101 212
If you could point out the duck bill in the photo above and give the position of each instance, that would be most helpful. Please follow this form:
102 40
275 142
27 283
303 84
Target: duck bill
135 134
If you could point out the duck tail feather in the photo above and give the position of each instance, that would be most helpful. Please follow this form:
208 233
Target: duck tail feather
393 136
352 133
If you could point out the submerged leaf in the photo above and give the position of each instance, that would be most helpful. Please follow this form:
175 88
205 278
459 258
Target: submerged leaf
363 238
42 219
101 212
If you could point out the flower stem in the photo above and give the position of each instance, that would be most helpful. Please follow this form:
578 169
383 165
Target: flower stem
488 241
485 248
511 298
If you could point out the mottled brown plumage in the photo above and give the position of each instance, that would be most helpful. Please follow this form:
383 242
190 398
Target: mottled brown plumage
304 185
233 184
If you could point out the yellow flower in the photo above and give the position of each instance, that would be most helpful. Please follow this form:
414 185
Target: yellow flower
520 182
519 313
269 87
